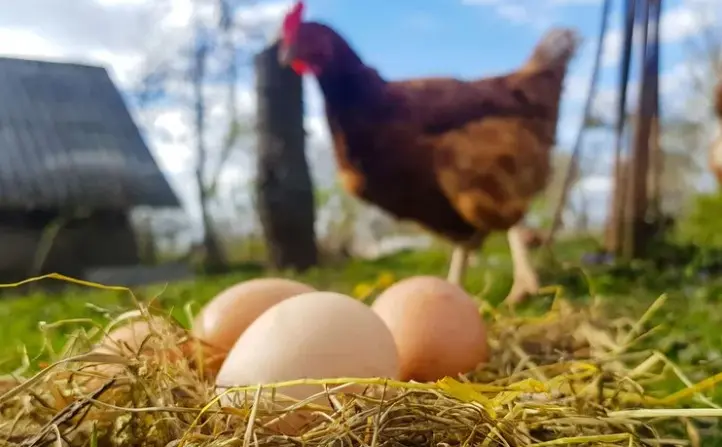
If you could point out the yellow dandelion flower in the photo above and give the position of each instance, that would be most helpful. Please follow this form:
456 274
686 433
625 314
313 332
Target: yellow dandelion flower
385 279
362 290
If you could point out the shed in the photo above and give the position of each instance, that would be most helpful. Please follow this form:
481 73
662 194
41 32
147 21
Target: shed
73 164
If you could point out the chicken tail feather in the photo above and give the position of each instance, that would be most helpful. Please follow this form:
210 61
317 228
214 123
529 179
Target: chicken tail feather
556 48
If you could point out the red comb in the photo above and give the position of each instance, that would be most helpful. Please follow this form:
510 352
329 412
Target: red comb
293 20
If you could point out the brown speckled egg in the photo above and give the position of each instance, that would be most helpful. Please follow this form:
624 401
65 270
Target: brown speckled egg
436 325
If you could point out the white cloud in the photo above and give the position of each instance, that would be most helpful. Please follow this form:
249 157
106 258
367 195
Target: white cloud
515 13
676 90
539 14
26 43
689 19
596 184
131 36
611 50
574 2
118 35
265 15
576 87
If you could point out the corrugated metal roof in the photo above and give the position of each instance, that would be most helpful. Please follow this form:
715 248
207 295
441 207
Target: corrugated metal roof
67 139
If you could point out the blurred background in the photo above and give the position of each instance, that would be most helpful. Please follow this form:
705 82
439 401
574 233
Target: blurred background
184 70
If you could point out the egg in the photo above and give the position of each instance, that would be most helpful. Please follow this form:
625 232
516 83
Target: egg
436 326
312 335
228 314
220 322
136 337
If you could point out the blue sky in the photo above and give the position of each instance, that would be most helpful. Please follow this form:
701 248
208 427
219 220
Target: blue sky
440 36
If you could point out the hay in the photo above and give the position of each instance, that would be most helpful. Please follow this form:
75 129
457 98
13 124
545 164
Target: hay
570 377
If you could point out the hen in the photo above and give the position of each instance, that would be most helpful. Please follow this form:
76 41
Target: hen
461 158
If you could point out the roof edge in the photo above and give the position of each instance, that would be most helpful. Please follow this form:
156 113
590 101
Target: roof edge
53 61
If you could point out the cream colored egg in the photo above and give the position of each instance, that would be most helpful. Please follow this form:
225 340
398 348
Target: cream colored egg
139 336
436 326
154 338
229 313
314 335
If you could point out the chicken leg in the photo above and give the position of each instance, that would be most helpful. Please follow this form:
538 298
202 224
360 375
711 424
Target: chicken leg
457 268
526 281
525 277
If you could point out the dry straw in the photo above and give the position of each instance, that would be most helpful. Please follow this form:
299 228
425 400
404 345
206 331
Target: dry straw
572 377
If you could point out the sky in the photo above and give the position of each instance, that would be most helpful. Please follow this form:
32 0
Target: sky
462 38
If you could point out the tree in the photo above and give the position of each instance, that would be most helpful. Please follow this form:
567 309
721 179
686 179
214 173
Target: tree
186 80
214 257
703 71
704 63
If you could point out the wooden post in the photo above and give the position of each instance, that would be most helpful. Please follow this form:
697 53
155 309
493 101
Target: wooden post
616 242
573 168
656 154
714 156
612 237
636 226
284 190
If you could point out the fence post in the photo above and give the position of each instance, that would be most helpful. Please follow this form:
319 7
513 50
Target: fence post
284 189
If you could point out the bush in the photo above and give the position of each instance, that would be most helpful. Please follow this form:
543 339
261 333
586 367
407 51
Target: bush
702 226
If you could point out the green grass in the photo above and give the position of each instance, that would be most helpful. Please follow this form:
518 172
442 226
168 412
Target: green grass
690 319
21 315
687 333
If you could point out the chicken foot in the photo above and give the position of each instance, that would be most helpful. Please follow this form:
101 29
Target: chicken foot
526 281
525 277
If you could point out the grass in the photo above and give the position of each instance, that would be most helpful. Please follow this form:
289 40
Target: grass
21 315
685 329
691 308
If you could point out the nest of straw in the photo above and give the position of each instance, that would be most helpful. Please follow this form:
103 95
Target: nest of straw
570 377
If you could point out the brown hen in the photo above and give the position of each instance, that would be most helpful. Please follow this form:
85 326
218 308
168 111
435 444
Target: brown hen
461 158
